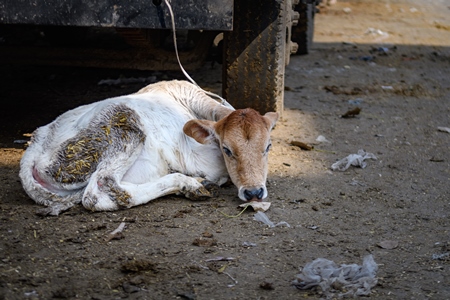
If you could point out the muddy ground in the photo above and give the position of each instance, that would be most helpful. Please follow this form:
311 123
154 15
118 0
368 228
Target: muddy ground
403 197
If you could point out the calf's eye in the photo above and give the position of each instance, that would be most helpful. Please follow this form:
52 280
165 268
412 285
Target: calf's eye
227 152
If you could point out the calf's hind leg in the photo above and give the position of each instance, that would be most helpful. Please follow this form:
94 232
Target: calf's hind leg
106 189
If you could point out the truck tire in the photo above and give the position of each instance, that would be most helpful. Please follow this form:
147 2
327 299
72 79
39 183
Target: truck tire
254 54
303 33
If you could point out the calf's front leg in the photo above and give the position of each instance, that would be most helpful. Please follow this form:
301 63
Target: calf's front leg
107 193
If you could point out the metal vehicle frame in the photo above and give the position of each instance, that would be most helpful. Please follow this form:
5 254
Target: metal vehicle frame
136 34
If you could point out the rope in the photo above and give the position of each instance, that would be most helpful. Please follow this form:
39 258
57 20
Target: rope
235 216
222 100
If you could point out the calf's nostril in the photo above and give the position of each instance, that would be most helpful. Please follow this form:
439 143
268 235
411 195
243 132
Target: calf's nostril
254 193
260 193
248 195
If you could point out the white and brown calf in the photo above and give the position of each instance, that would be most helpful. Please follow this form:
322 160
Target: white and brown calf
168 138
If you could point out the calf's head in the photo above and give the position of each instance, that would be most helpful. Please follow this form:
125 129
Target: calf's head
244 138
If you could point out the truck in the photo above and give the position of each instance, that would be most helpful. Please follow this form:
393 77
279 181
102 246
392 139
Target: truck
252 39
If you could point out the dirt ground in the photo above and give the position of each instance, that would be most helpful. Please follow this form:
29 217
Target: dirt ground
389 58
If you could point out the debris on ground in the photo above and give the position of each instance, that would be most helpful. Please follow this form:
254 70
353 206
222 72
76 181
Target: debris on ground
201 242
440 256
262 217
363 58
117 233
356 101
220 258
356 160
248 244
436 159
344 281
232 278
388 244
376 32
139 265
351 113
444 129
266 285
343 90
380 51
347 10
257 206
322 139
313 227
302 145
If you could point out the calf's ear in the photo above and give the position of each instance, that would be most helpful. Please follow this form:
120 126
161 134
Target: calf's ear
271 118
200 130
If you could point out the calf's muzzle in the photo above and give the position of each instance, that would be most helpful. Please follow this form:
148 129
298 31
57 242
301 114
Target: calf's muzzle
254 194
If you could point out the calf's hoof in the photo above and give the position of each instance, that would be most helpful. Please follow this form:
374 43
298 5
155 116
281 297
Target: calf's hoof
212 188
207 190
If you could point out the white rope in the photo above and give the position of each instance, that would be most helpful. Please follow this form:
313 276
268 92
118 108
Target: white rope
222 100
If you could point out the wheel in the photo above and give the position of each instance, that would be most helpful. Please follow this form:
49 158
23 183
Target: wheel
303 33
255 55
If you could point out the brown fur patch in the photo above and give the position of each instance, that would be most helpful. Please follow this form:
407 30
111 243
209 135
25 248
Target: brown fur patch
79 156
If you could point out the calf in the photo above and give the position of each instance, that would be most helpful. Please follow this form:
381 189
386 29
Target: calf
168 138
